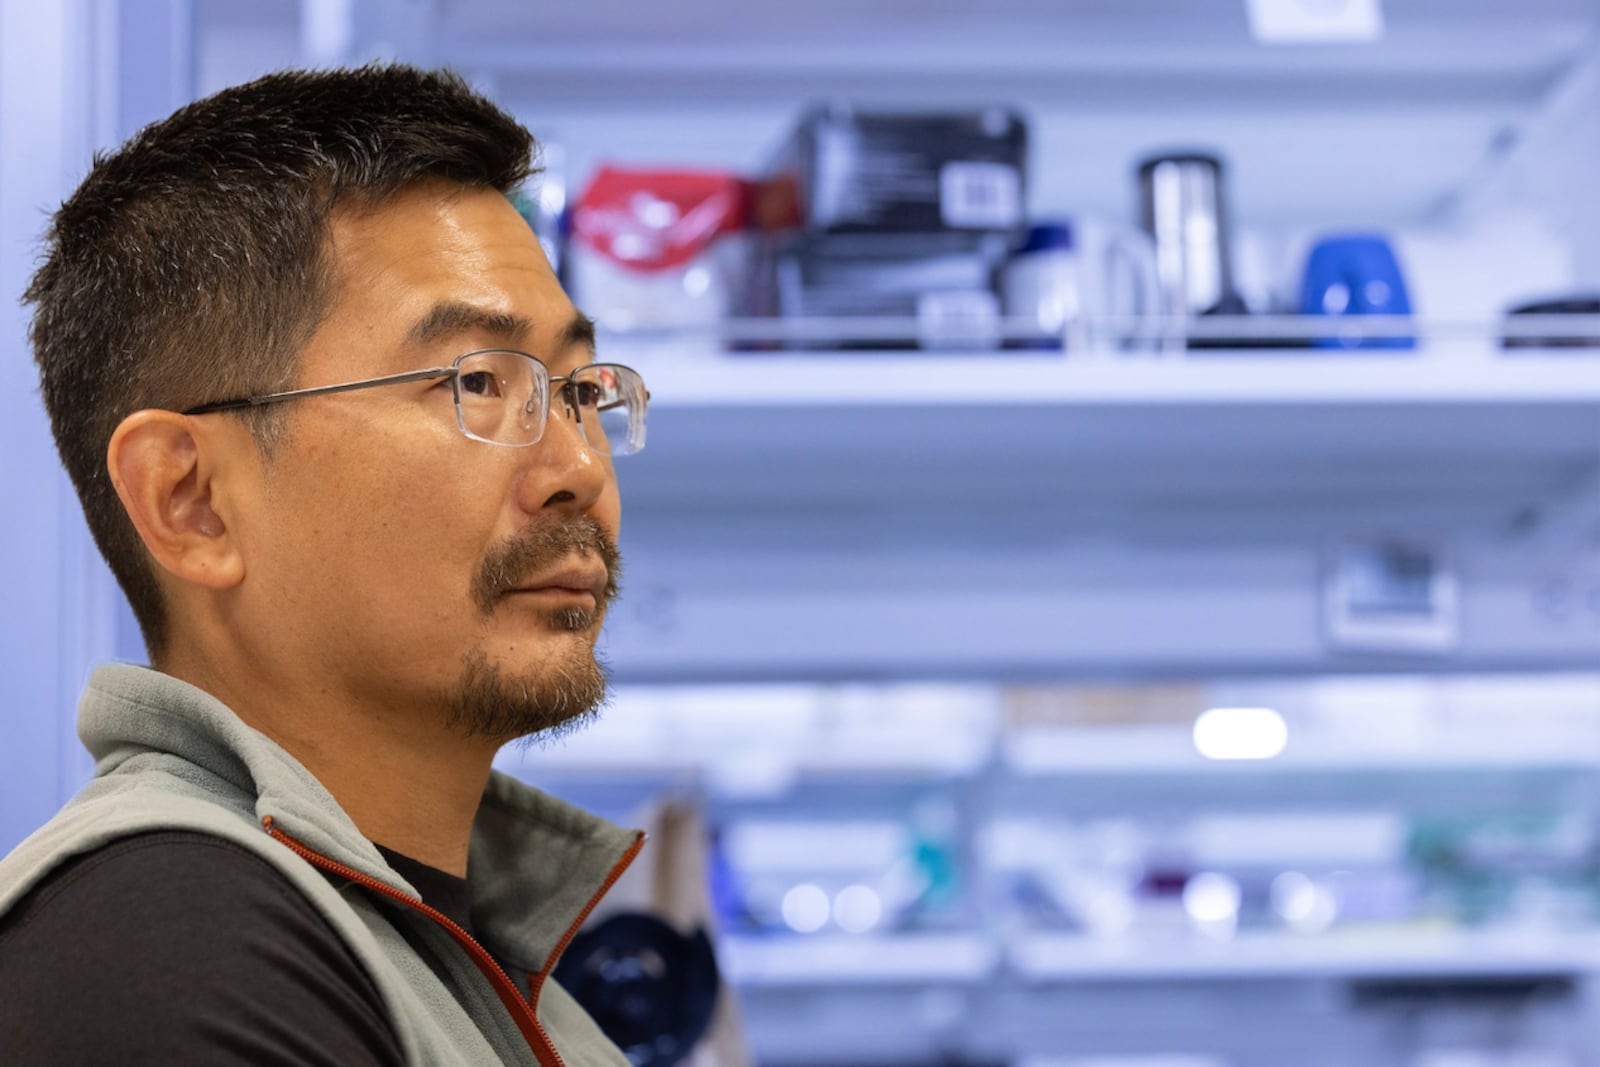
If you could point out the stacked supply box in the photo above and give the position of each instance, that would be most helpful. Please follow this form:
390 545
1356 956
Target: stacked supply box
660 249
894 225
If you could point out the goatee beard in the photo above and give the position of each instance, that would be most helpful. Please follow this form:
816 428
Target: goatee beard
547 701
551 698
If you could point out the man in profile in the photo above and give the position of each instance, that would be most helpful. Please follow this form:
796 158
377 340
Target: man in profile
344 442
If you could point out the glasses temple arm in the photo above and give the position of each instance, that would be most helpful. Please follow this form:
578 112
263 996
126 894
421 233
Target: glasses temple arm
320 390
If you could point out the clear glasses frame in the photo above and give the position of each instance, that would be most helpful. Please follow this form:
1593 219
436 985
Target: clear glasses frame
621 388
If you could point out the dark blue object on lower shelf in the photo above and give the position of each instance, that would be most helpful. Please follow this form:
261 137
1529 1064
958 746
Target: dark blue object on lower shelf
651 989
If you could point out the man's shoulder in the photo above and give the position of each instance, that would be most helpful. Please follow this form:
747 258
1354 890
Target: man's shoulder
156 873
191 898
167 936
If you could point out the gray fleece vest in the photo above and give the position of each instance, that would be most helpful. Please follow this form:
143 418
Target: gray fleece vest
171 757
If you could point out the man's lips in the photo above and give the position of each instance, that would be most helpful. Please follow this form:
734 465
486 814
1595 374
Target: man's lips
575 581
553 564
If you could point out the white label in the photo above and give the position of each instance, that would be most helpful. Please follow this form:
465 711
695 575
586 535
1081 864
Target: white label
980 196
1391 597
1315 21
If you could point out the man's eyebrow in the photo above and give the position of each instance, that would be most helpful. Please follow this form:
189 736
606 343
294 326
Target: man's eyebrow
451 318
579 331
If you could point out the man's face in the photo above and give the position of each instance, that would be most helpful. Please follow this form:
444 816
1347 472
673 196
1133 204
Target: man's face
416 570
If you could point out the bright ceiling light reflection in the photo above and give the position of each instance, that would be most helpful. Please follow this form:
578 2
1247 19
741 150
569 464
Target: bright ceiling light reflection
857 909
1294 896
1303 904
1240 733
806 908
1212 898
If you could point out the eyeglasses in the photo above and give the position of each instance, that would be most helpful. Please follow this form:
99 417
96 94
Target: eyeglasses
503 398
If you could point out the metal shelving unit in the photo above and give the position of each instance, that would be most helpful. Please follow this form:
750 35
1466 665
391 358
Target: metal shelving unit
825 515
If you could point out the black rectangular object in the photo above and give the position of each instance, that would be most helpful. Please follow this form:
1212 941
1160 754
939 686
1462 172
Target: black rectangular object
847 171
936 285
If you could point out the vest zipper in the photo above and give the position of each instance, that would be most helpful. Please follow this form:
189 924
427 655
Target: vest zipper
536 983
522 1011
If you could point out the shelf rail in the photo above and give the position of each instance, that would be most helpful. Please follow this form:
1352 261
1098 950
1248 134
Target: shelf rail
1162 335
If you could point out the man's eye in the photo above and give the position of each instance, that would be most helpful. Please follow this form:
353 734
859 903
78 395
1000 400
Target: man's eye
586 394
480 383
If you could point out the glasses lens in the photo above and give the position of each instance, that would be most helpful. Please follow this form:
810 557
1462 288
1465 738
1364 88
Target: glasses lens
609 402
502 396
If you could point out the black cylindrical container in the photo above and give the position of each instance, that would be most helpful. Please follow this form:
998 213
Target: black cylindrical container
1182 207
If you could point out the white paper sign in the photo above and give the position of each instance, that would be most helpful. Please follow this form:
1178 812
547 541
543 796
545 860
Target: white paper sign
1315 21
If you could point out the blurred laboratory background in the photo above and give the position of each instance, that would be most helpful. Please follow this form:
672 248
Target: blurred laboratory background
1115 576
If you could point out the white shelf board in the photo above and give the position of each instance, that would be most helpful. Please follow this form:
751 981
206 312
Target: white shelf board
1225 448
1367 953
1463 372
883 959
958 958
774 770
1169 750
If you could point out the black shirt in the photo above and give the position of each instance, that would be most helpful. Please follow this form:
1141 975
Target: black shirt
441 890
179 947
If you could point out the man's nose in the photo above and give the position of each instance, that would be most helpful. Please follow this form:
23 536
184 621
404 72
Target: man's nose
561 469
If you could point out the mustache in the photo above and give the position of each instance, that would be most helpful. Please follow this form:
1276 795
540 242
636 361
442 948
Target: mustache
542 546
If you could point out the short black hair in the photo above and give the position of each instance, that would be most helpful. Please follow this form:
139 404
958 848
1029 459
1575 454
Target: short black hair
191 263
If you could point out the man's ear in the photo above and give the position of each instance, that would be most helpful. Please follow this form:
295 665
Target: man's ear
165 474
